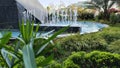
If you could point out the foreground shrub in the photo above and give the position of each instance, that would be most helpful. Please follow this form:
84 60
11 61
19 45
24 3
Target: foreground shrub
52 64
95 59
114 47
55 64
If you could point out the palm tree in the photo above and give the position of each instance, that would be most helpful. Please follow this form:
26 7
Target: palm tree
103 5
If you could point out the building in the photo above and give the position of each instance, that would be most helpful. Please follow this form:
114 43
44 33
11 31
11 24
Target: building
8 13
12 11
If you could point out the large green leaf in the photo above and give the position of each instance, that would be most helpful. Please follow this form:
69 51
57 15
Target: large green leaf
21 40
55 35
28 56
44 44
27 31
5 54
37 28
5 37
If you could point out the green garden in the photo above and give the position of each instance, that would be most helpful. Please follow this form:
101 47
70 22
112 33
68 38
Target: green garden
90 50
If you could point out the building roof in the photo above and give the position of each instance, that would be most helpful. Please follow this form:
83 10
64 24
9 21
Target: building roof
34 5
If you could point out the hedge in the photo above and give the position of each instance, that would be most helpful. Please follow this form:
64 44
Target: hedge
95 59
114 47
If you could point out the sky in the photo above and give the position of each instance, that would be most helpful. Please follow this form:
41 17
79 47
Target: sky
45 3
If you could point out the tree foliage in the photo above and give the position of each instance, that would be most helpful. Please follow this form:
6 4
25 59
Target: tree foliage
104 6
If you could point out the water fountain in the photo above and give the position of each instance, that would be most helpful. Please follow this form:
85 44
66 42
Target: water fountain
62 17
56 14
27 15
75 15
70 14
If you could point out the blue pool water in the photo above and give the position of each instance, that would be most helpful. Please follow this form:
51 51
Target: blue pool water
89 27
86 27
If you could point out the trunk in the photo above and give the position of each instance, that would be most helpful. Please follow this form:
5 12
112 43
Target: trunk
106 14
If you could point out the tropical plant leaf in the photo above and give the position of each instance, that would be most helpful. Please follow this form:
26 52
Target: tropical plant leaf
5 54
37 28
27 31
111 4
21 40
28 56
47 33
42 48
44 44
5 38
55 35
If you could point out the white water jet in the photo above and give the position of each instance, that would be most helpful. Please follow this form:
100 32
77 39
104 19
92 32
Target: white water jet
75 15
62 16
58 15
66 15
